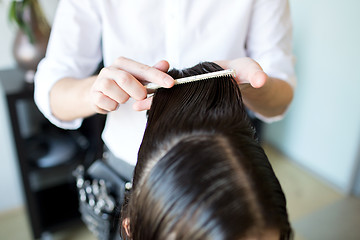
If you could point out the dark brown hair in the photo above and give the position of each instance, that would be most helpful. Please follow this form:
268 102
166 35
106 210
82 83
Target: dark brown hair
201 174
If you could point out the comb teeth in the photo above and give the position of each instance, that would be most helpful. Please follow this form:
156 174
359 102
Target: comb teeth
223 73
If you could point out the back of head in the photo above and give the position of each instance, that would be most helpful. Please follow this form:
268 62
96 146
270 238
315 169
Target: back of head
201 173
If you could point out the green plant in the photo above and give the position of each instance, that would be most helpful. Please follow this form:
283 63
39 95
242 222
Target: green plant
16 15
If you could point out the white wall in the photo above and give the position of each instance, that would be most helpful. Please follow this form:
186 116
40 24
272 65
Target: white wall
10 187
322 129
10 184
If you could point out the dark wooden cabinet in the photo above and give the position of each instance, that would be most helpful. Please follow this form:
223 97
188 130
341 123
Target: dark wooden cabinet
47 156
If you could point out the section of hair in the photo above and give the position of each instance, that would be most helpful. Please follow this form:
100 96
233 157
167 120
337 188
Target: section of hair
200 173
207 106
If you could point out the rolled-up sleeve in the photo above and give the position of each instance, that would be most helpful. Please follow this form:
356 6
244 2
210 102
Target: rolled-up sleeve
269 42
74 50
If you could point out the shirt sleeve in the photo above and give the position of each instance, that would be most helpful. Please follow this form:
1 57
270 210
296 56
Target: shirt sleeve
269 42
74 50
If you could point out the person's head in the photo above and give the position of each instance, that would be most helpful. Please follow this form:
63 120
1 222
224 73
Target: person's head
201 174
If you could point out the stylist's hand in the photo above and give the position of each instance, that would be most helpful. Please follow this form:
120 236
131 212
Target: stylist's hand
262 94
248 72
124 79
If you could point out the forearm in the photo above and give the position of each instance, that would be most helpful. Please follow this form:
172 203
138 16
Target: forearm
70 98
270 100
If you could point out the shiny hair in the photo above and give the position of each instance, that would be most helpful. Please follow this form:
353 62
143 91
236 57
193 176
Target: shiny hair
201 174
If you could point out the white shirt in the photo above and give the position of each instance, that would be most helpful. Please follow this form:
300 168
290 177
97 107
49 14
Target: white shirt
184 32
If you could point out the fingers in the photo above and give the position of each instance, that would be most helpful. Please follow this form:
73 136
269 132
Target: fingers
162 66
113 87
117 83
143 104
146 103
120 85
144 72
103 104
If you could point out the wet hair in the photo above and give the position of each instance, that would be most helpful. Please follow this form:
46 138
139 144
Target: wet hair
201 174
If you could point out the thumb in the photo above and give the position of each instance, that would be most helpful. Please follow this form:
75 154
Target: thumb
143 104
252 72
258 79
247 71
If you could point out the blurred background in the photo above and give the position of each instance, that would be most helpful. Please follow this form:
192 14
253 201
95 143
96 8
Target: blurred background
315 150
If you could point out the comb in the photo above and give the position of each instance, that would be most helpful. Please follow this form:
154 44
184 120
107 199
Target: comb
223 73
